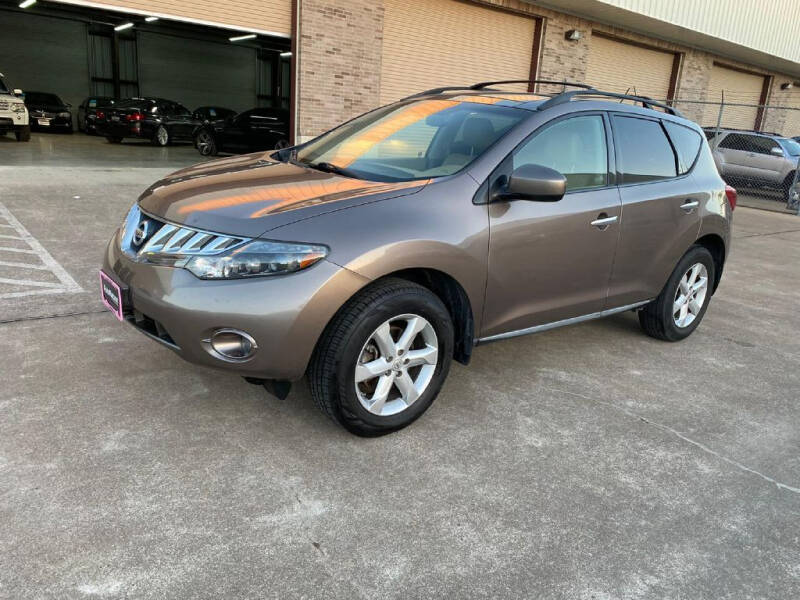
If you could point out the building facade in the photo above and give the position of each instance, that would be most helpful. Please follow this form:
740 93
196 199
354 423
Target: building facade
328 60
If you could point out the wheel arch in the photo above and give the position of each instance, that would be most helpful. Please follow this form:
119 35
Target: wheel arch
716 246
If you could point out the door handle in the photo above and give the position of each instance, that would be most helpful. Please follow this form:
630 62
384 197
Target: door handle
689 206
602 221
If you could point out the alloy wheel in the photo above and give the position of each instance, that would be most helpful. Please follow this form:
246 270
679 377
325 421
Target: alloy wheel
396 364
690 295
162 136
204 143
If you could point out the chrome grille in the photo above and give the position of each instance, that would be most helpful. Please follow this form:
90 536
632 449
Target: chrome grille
4 105
145 238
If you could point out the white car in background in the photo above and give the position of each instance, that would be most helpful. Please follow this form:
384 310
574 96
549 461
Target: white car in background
13 114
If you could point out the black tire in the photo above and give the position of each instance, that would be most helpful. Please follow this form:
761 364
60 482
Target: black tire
113 139
657 319
331 373
788 183
23 134
208 147
165 142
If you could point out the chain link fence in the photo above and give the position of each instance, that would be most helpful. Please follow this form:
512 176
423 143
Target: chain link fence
762 163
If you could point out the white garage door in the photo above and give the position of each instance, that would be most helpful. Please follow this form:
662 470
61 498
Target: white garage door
739 88
432 43
616 66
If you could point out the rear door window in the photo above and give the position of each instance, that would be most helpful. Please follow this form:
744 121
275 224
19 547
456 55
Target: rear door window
738 141
765 145
644 152
575 147
686 143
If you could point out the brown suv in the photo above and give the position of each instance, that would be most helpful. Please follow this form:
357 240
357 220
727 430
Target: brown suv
371 256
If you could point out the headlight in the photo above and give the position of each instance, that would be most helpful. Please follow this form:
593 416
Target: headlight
65 115
256 259
18 107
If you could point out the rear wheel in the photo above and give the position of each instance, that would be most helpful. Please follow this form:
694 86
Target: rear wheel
161 136
205 144
681 305
789 187
383 359
23 134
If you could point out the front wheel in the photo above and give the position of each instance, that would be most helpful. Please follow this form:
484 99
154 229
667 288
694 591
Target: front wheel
205 144
383 358
161 136
681 305
23 134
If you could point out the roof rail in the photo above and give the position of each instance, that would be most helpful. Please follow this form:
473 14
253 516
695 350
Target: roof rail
483 85
643 100
773 133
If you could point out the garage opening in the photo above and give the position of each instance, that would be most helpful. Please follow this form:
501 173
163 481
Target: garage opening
79 53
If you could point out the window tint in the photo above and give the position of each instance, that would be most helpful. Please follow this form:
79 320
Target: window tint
686 143
738 141
574 147
764 145
644 150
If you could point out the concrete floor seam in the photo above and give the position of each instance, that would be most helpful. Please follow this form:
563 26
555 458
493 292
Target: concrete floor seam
678 434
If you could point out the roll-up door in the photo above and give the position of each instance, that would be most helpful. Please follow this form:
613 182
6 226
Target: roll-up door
740 88
274 16
45 55
432 43
197 73
616 66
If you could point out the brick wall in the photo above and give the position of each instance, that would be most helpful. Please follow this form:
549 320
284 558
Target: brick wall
340 62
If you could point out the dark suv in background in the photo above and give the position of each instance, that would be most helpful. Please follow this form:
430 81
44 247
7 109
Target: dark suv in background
373 255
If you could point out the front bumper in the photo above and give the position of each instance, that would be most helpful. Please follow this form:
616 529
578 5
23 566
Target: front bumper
285 315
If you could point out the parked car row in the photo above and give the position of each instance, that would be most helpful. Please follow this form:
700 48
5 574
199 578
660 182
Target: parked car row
212 129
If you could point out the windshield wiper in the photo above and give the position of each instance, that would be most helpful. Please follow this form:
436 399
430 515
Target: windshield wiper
332 168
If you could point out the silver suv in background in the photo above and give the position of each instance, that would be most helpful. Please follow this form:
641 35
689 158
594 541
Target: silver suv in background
13 114
755 158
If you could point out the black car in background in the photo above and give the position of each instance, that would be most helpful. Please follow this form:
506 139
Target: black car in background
251 131
209 114
156 119
92 110
48 112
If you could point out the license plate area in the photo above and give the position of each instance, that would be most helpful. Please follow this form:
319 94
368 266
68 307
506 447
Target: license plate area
111 295
44 122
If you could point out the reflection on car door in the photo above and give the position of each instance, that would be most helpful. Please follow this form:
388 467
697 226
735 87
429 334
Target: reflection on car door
660 207
550 261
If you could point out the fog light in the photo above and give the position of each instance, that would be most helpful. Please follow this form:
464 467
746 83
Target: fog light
231 344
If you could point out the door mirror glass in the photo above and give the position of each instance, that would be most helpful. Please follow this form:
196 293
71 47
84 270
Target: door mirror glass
534 182
776 151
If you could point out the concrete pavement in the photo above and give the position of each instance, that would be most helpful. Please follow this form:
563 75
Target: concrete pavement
587 462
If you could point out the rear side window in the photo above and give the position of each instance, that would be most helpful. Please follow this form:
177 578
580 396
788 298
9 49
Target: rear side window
686 143
575 147
645 153
737 141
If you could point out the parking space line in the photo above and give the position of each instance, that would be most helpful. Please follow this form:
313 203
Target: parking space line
21 265
21 250
10 237
66 284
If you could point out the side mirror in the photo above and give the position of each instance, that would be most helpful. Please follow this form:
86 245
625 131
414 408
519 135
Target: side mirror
18 92
776 151
533 182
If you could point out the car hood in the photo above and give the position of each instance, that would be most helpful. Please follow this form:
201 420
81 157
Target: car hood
251 194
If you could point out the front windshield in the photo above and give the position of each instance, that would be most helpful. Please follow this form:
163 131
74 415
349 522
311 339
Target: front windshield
414 140
790 146
42 98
